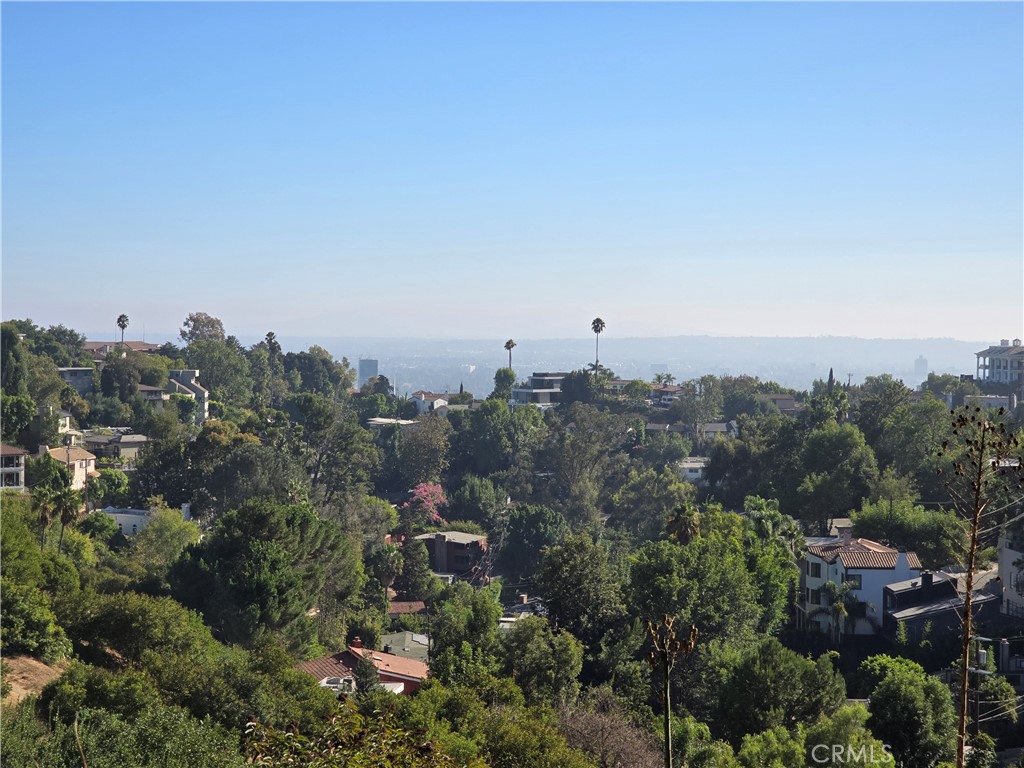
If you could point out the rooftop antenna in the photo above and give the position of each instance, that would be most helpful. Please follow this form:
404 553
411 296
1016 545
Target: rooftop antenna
849 379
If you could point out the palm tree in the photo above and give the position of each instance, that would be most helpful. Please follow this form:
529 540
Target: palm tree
43 504
122 323
841 605
597 326
684 523
67 503
664 378
508 345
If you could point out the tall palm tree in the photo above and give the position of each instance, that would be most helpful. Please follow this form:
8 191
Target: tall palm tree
597 325
508 345
67 504
43 504
122 323
664 378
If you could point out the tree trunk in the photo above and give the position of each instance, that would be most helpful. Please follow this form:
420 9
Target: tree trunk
965 651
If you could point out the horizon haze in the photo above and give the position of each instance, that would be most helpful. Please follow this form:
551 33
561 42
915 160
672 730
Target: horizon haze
503 170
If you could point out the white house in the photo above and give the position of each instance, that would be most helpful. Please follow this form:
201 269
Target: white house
428 401
691 469
870 566
1003 364
12 467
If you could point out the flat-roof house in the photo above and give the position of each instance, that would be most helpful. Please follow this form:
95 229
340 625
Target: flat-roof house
454 551
12 467
542 389
79 379
1002 363
186 382
932 600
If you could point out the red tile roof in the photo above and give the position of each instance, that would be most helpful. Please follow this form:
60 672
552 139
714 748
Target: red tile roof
862 553
341 664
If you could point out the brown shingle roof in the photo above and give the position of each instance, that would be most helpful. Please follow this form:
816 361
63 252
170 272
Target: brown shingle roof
74 453
862 553
399 607
341 664
12 450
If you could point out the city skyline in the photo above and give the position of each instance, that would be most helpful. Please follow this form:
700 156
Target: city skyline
495 170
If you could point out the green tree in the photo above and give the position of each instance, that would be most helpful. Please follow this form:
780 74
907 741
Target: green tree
13 369
580 588
530 528
545 663
504 380
17 411
416 581
199 326
28 624
840 470
263 567
791 690
423 452
847 726
161 542
122 323
913 713
223 369
67 506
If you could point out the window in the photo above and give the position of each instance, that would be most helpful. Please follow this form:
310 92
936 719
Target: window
815 597
815 570
855 579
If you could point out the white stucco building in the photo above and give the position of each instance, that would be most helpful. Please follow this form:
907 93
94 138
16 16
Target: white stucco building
838 559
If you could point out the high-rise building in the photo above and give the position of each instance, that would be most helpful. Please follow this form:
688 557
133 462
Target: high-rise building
367 370
920 369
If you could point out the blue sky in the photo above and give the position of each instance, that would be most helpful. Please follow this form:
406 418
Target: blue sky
494 170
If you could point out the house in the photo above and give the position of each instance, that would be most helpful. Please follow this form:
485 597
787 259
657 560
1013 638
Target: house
131 521
717 429
117 446
408 645
398 608
454 551
1002 364
933 600
428 401
12 467
868 565
157 397
396 673
666 394
79 461
543 389
377 423
186 382
691 469
1011 569
79 379
1009 402
785 403
100 349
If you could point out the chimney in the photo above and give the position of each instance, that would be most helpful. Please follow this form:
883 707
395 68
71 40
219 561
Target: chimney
1004 342
1016 342
523 598
357 642
441 552
1004 655
926 578
845 536
387 647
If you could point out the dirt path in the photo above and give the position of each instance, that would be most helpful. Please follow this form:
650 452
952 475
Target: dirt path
27 676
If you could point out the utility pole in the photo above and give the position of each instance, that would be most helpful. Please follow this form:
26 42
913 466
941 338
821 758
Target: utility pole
664 655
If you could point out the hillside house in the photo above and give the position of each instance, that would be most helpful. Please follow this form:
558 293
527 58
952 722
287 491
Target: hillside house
12 467
868 565
79 462
396 673
454 551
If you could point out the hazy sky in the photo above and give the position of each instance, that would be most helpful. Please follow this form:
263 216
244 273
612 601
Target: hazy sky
493 170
